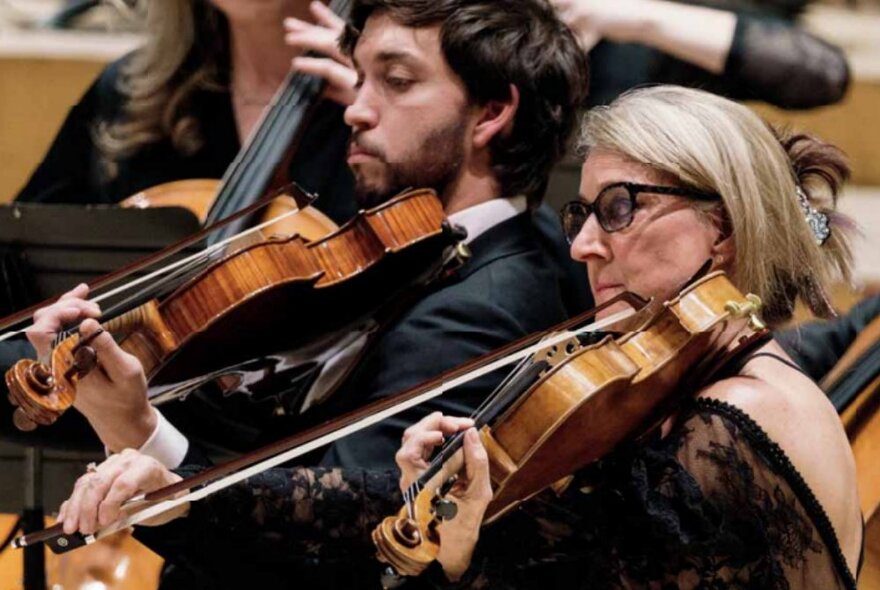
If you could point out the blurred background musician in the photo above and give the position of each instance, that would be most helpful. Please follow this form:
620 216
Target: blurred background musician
740 49
181 107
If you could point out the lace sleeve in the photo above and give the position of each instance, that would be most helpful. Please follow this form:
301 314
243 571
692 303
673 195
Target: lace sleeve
311 520
715 504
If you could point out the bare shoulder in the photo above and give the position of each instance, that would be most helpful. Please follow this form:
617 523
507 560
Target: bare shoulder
791 409
797 416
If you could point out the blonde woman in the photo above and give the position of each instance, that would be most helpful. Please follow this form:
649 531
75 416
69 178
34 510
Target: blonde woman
182 105
752 483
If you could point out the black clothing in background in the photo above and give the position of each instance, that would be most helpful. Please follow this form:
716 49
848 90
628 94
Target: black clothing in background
817 346
771 60
512 286
72 171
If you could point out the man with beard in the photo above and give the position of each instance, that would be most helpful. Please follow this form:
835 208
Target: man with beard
474 98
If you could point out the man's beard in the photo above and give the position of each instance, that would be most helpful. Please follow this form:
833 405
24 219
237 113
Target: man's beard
436 165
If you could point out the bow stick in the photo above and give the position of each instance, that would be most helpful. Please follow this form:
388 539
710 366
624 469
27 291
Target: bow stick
221 477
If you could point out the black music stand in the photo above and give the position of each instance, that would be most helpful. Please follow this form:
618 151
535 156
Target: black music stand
47 249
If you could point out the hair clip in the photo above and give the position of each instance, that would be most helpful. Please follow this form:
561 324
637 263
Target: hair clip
817 220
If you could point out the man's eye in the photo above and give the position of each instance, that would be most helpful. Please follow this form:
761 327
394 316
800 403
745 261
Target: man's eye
398 83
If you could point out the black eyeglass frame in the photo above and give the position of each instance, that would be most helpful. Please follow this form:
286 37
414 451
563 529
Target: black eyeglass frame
634 189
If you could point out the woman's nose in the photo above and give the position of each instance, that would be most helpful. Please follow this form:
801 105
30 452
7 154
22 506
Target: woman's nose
590 242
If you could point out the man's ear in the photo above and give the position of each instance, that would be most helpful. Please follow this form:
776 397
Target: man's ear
497 118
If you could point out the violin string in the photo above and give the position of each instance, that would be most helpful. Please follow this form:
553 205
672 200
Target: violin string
173 266
484 406
169 282
183 273
199 493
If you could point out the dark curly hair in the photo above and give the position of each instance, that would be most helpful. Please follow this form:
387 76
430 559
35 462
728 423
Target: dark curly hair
491 44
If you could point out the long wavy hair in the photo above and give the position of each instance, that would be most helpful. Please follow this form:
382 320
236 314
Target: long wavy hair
187 50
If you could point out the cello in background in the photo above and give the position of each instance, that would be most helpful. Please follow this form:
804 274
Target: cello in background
853 386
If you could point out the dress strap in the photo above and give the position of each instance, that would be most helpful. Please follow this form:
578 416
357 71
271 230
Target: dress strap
784 361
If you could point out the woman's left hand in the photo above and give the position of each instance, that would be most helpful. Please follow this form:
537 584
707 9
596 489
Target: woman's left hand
98 495
323 38
471 493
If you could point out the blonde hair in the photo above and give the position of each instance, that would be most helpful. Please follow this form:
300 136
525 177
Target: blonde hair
716 145
186 50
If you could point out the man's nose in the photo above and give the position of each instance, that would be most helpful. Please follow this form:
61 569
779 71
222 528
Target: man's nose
361 114
590 242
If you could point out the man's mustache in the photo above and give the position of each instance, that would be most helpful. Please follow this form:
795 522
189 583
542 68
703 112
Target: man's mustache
366 147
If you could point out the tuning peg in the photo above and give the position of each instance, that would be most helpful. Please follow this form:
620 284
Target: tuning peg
445 509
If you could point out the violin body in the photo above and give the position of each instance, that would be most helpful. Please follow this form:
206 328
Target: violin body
246 305
604 394
587 402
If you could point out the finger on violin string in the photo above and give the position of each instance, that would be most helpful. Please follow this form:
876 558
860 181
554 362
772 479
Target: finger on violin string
476 464
116 363
81 291
439 422
314 38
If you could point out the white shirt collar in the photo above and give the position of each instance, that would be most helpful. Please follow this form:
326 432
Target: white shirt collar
480 218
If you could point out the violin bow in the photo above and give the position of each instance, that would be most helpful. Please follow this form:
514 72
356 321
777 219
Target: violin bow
302 198
223 476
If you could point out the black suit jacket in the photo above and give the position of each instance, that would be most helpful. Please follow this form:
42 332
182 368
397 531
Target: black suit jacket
519 280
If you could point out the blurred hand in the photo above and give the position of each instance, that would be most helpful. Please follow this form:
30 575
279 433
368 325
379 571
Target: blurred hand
594 20
98 496
323 38
472 491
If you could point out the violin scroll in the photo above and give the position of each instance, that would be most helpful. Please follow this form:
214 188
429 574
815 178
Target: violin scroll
409 542
42 392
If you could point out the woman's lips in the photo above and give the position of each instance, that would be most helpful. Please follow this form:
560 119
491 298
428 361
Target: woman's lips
606 290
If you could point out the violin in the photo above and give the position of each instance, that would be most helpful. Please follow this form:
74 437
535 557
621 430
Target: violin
572 404
220 477
196 329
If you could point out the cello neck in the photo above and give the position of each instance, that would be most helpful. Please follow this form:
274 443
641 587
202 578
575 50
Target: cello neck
276 133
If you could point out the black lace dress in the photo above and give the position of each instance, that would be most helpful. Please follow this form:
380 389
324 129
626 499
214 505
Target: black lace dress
714 505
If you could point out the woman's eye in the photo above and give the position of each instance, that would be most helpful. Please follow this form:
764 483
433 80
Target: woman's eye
618 208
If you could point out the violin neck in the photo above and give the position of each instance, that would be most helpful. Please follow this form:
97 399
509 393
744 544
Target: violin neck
500 401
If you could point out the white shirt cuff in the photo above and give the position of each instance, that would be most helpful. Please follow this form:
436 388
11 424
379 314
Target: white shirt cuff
166 444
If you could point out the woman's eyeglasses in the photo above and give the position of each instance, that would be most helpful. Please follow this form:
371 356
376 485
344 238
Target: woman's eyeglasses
615 206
